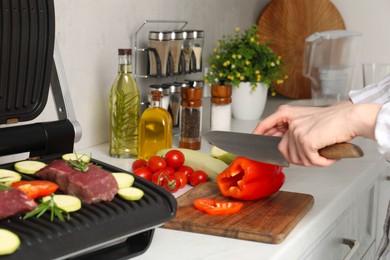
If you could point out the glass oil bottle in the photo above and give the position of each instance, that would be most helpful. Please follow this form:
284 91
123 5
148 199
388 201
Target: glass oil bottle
124 110
155 128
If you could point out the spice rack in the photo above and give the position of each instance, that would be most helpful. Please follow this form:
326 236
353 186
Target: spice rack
138 49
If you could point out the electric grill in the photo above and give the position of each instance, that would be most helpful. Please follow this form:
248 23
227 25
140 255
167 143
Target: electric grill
29 64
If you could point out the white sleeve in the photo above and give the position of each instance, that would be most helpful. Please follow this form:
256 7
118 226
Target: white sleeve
382 130
374 93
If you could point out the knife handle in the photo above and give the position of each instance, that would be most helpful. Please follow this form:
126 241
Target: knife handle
341 150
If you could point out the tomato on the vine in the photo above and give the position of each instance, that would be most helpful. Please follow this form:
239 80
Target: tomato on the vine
159 177
187 170
174 158
171 183
139 163
156 163
144 172
197 177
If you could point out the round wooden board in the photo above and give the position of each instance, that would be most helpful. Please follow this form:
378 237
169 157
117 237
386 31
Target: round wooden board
285 24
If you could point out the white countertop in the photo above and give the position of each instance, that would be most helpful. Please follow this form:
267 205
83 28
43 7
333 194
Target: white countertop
333 188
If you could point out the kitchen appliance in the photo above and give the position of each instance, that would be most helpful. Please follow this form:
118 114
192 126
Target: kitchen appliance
29 64
265 148
330 62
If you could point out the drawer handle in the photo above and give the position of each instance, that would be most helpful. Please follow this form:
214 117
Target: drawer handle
353 244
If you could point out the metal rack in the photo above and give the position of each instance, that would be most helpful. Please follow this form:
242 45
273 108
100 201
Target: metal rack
137 49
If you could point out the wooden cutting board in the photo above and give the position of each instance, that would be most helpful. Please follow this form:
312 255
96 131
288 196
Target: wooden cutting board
267 220
285 24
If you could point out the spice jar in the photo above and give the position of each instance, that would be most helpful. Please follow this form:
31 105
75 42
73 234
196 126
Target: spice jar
158 52
174 102
191 117
221 107
188 45
175 50
197 51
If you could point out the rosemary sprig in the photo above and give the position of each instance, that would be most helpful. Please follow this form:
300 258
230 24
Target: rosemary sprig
78 165
55 211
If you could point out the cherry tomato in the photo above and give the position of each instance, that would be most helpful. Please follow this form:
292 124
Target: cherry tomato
159 177
139 163
182 177
156 163
198 177
174 158
144 172
187 170
171 183
37 188
170 170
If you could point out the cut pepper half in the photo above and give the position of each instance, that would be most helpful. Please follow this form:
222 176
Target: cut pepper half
215 207
247 179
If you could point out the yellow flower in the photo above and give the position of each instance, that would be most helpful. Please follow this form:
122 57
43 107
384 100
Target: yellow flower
215 49
233 56
219 43
220 74
237 29
258 78
242 78
213 67
238 75
218 57
252 39
247 62
257 72
279 81
233 66
272 64
239 56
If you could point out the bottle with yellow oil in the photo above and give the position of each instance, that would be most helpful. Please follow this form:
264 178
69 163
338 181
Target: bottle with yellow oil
155 128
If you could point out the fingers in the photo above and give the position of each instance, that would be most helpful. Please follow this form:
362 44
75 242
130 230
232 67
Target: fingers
301 153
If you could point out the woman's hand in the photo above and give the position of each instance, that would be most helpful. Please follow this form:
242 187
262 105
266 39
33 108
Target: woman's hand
306 130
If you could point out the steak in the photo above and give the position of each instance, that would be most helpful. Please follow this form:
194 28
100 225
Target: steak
13 202
92 186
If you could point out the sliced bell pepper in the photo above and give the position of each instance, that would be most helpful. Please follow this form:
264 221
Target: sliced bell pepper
214 207
36 188
247 179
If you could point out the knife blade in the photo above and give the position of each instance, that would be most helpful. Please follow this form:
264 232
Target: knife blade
265 148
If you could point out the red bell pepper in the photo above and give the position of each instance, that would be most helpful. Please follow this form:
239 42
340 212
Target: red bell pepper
214 207
246 179
36 188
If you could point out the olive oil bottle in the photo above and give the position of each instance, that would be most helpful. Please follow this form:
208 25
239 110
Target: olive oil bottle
155 128
124 110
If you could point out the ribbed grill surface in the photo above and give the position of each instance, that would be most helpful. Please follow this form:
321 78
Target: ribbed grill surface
27 29
92 227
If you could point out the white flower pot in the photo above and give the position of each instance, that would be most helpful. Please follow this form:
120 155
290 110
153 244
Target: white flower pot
248 102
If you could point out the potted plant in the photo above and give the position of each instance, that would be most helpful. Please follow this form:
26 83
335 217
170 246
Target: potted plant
250 67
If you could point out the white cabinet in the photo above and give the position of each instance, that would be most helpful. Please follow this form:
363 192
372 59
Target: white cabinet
353 234
383 201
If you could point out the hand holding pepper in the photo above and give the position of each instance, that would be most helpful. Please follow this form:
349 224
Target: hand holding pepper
247 179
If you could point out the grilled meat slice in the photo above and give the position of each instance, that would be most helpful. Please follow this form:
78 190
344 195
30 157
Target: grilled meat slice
13 202
92 186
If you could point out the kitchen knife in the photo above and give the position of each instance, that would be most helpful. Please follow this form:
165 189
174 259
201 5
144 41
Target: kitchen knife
265 148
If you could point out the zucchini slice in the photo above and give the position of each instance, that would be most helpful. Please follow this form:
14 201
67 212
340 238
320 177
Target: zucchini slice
123 179
131 193
9 242
29 167
8 176
76 156
65 202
